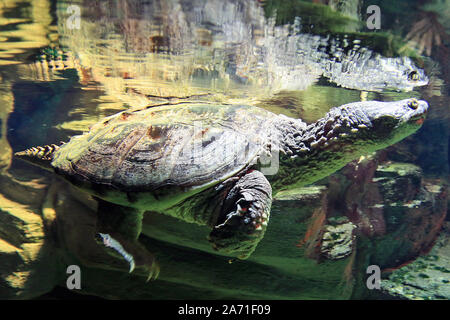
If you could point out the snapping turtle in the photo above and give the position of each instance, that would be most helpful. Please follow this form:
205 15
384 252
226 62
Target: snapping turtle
214 165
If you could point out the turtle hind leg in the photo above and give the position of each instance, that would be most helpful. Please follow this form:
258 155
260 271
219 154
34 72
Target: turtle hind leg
244 216
118 230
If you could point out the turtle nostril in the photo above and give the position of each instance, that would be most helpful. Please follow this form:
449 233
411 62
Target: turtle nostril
413 104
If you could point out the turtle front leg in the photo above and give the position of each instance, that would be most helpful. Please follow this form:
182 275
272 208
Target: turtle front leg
119 229
244 216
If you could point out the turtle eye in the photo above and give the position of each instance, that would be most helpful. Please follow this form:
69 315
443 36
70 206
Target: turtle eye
413 76
413 104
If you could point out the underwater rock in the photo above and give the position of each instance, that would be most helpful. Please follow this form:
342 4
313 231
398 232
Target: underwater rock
27 267
397 181
412 225
392 205
353 195
337 241
311 203
428 277
397 211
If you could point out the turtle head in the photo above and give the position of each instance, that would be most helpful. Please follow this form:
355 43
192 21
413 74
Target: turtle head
379 74
376 125
343 135
400 74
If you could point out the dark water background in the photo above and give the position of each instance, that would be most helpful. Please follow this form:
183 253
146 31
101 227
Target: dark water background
57 79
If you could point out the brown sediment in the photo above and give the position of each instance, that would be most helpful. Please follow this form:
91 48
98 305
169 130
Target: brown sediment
154 132
125 115
313 235
349 268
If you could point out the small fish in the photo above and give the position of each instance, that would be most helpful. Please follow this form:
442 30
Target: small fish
110 242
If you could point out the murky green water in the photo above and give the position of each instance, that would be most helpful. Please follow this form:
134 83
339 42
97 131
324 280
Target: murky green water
65 65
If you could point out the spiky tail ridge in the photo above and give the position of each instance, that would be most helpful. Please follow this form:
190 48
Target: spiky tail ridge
40 156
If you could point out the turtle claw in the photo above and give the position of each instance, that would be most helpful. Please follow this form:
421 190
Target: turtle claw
244 216
144 263
154 272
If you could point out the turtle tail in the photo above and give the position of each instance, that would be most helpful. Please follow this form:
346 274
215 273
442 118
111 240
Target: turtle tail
40 156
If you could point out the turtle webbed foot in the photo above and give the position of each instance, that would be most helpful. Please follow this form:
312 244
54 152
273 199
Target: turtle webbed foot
133 252
244 218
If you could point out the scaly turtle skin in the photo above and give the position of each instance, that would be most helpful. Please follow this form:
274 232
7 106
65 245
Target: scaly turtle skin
214 165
